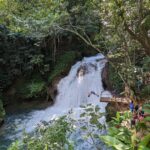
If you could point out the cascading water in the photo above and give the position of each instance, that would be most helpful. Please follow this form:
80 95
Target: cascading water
83 85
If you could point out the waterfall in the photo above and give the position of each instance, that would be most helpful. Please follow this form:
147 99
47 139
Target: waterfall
82 85
74 90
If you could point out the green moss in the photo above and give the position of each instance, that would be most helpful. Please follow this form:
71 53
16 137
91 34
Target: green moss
62 64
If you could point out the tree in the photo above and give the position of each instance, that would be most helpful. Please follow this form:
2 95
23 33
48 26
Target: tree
131 16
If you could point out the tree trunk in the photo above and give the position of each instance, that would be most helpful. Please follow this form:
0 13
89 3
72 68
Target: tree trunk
143 40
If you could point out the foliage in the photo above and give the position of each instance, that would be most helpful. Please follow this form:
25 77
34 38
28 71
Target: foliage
120 136
146 107
92 124
104 26
146 91
15 146
31 16
56 134
2 111
114 142
32 88
129 17
146 63
53 137
62 64
118 28
115 79
119 118
41 17
145 143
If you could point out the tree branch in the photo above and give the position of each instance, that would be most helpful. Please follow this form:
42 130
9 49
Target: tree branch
86 40
142 40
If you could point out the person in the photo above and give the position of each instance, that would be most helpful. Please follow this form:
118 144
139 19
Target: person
131 106
136 108
134 119
141 113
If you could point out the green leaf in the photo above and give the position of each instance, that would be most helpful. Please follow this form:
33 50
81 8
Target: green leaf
94 120
147 119
97 108
83 114
84 128
144 143
147 110
113 142
89 109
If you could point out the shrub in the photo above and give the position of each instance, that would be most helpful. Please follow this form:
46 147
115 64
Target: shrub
146 91
115 79
52 137
35 87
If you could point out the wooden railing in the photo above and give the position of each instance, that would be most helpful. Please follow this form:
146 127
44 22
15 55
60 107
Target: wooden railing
116 99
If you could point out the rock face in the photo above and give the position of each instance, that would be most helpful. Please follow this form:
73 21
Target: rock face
111 108
105 78
52 89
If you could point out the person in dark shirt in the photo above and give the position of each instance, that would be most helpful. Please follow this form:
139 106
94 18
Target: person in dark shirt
136 108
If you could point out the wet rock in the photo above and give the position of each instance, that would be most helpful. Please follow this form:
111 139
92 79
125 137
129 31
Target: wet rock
105 78
52 89
81 70
94 66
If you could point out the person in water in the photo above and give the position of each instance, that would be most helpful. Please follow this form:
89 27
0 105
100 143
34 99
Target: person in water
92 92
131 106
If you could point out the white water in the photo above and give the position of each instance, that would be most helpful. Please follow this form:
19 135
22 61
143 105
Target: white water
73 91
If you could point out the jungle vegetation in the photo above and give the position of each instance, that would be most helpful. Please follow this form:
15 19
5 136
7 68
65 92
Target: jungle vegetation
39 39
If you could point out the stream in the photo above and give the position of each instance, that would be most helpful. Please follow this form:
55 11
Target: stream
83 85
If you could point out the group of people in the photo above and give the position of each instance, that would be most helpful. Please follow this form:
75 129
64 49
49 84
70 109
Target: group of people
137 113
